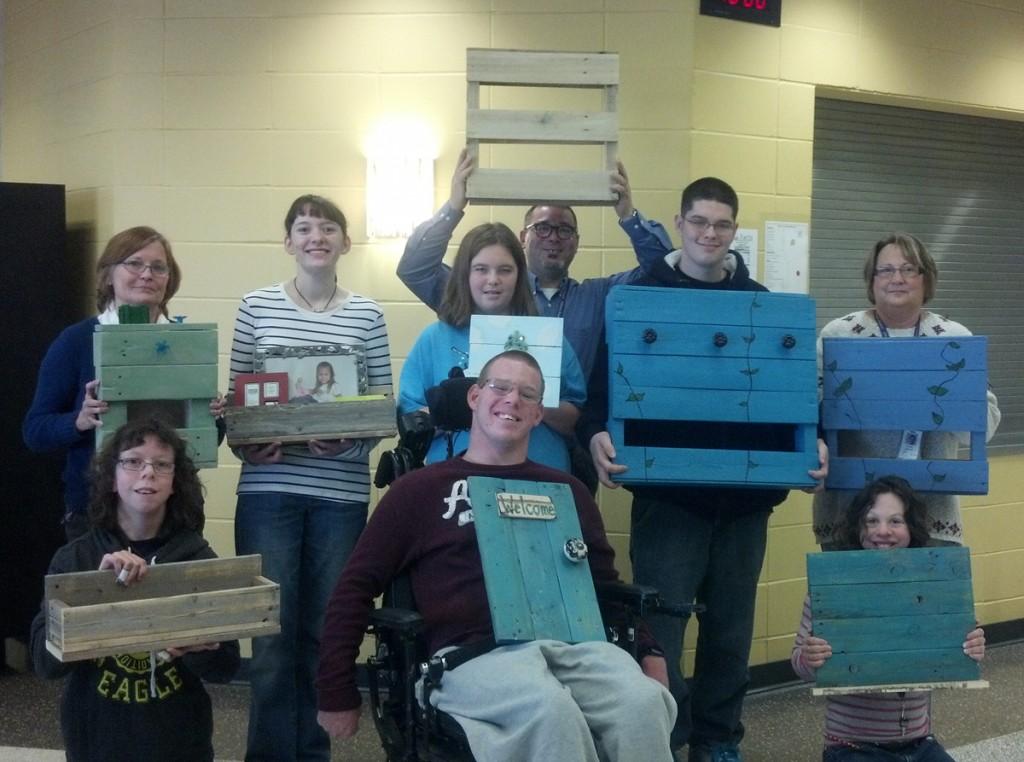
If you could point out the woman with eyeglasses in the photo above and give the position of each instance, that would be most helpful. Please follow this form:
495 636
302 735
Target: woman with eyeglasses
489 277
901 277
136 268
146 507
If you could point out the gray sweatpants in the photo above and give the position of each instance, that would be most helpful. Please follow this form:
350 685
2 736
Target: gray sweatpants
548 700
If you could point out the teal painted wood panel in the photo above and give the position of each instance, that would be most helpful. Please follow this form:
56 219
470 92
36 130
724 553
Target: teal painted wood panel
665 365
893 617
917 384
729 308
534 591
859 567
659 403
154 382
731 373
164 345
742 468
962 477
632 337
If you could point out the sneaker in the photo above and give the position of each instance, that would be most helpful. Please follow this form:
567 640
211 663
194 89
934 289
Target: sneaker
718 752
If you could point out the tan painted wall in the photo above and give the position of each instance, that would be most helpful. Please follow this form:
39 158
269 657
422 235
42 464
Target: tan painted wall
206 117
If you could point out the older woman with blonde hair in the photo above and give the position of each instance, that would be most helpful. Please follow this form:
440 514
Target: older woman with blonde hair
136 268
901 277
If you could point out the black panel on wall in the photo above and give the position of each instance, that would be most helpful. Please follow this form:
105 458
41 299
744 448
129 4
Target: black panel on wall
43 293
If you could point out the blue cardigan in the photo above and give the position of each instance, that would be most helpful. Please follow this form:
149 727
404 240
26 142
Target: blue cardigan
50 421
442 346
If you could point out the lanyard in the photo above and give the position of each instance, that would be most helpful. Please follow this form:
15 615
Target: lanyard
884 331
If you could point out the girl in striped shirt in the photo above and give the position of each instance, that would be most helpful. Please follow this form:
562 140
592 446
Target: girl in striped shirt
864 727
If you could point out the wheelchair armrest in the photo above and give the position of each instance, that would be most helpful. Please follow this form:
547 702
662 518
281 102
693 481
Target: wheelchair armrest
642 600
401 621
635 596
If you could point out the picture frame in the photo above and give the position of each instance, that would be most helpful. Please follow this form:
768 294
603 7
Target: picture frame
307 369
541 337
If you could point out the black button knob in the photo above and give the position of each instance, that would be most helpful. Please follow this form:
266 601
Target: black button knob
650 336
788 341
721 339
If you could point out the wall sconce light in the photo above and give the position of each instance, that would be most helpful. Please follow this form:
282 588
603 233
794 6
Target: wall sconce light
399 178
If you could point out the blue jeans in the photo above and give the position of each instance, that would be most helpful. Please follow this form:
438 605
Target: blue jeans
925 750
717 562
305 542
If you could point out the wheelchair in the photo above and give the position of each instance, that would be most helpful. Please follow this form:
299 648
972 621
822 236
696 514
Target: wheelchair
411 731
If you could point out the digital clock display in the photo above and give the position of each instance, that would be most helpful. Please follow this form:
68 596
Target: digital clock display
767 12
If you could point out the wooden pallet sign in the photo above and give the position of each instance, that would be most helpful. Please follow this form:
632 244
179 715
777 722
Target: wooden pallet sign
88 614
490 335
896 619
532 68
691 373
535 589
166 370
932 386
361 417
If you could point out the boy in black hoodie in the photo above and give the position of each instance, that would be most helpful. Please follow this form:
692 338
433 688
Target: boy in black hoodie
703 543
146 507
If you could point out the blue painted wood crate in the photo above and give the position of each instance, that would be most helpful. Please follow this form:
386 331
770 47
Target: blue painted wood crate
933 386
163 369
893 616
534 590
693 373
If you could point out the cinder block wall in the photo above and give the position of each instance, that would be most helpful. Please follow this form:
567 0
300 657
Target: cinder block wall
205 118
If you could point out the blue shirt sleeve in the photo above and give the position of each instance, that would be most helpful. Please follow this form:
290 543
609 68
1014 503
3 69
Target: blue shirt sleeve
651 242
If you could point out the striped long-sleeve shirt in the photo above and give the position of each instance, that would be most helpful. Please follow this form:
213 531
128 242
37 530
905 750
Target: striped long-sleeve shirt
268 318
870 717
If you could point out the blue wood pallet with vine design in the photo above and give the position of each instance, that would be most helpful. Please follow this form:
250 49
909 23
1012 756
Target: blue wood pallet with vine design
934 386
695 375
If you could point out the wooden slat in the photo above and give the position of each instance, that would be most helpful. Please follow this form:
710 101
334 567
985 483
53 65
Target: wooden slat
899 599
155 382
900 687
541 68
918 415
906 383
371 417
86 588
168 345
721 405
559 127
882 667
959 477
662 465
707 378
728 308
902 633
906 353
859 567
686 339
559 187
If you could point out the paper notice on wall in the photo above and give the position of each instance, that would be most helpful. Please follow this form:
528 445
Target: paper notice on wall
745 242
786 256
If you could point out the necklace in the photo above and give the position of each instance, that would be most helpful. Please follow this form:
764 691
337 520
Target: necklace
295 285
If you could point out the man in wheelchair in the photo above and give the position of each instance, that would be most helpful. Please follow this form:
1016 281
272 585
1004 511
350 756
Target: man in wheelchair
538 700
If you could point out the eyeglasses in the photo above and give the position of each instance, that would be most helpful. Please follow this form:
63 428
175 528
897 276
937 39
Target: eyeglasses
722 227
503 388
907 271
162 467
545 229
137 267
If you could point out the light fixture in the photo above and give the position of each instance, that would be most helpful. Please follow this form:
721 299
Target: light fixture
400 157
